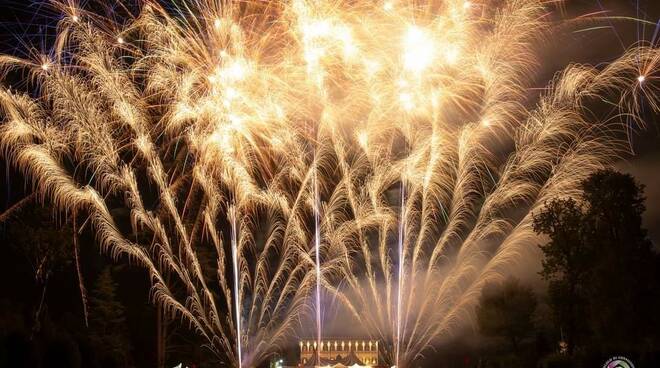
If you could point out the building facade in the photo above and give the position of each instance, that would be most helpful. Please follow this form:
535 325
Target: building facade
340 353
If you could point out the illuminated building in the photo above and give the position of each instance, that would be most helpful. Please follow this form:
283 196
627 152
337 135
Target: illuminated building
339 353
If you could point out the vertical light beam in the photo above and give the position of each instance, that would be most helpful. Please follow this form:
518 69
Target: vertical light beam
402 229
317 246
237 302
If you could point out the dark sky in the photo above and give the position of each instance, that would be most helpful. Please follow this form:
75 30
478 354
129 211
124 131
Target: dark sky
602 45
576 44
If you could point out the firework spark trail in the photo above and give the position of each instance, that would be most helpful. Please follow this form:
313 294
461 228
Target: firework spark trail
237 296
400 273
170 113
317 260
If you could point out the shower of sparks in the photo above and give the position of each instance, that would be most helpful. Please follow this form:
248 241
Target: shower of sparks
401 131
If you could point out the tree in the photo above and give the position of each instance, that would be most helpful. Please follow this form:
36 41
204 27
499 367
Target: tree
46 244
622 285
600 265
566 264
506 311
109 334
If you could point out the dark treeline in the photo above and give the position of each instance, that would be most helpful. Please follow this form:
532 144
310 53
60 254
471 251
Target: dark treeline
51 315
42 319
601 297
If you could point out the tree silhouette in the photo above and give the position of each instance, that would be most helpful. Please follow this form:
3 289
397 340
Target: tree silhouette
600 265
506 311
566 265
47 246
109 334
623 291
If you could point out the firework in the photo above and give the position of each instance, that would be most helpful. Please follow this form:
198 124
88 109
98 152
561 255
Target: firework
269 153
